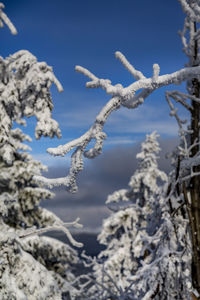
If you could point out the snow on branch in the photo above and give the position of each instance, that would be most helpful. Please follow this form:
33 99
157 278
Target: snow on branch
4 19
185 148
191 30
56 227
127 95
173 112
131 97
191 9
136 74
24 92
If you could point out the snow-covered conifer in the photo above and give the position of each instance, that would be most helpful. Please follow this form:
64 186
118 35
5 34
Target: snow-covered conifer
31 266
148 252
123 232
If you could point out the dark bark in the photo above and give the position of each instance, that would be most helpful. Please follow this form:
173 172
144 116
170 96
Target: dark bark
194 192
194 187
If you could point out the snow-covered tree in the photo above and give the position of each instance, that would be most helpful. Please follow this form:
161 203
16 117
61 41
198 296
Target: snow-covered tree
122 231
137 215
183 191
148 253
31 266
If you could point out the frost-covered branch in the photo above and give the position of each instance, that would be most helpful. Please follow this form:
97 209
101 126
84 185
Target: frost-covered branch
136 74
55 227
4 19
129 97
173 112
191 9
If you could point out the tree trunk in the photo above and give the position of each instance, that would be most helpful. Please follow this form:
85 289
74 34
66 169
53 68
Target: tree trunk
194 186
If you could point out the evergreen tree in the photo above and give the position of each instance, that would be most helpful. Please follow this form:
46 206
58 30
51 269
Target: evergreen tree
124 232
32 266
148 252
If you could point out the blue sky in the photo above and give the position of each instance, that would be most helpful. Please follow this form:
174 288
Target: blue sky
84 32
67 33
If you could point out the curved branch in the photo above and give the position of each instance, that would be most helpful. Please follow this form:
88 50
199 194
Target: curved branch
126 97
4 19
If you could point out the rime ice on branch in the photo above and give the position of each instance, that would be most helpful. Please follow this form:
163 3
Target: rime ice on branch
131 97
4 19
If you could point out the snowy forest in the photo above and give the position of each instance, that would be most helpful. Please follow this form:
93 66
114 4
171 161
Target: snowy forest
151 237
